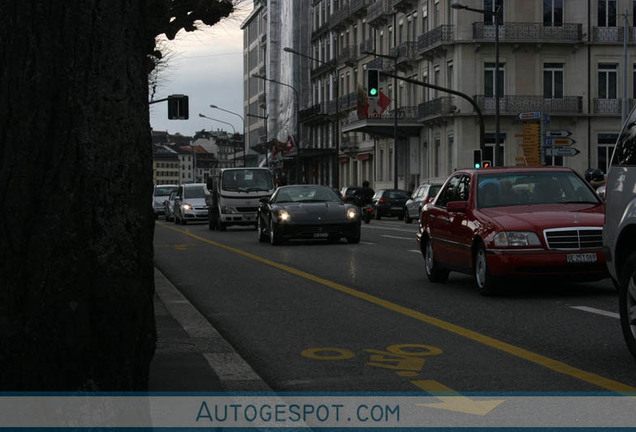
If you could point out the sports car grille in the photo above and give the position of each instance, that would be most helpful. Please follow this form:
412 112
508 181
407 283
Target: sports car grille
574 238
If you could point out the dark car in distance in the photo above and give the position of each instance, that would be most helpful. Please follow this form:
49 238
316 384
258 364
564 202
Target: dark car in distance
389 202
307 212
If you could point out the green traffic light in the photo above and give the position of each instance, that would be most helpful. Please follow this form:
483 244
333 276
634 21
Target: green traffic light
477 166
373 91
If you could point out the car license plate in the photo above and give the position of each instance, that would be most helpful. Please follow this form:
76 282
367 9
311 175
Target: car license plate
396 208
321 235
581 258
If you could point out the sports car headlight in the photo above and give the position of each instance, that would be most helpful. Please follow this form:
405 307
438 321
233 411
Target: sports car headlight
352 214
186 206
516 238
283 216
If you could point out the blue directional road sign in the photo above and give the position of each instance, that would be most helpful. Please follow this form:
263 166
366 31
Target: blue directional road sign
559 142
532 115
561 151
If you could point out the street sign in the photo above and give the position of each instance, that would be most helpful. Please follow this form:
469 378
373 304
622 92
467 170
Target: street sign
532 115
559 142
561 151
557 133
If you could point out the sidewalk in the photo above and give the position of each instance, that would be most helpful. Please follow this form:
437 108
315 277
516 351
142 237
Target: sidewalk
191 355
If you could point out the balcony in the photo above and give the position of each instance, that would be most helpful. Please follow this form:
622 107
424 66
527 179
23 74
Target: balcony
348 55
349 144
435 38
529 32
358 8
319 32
379 12
440 107
513 105
382 64
406 52
262 134
366 46
404 5
323 68
611 34
312 114
261 100
348 101
340 18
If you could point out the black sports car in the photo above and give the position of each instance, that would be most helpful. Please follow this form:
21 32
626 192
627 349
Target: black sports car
307 212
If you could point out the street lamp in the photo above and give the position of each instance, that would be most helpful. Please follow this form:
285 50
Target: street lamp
336 125
264 78
243 120
231 125
495 15
265 118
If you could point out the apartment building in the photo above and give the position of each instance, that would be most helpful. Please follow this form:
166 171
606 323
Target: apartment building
565 77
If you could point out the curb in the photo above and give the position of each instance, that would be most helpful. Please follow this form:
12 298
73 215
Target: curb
232 371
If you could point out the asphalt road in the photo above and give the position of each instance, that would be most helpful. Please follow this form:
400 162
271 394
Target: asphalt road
314 316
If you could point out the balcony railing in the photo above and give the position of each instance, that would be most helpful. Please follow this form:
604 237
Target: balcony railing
406 52
404 5
340 17
439 107
378 13
611 34
322 68
322 30
435 38
529 32
366 46
312 112
348 101
358 6
349 54
513 105
381 63
349 144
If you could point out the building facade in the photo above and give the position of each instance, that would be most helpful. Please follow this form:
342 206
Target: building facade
564 72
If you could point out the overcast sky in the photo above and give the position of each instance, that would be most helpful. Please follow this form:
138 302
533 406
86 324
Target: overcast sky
206 65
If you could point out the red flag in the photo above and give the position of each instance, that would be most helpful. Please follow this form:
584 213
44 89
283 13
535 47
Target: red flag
290 143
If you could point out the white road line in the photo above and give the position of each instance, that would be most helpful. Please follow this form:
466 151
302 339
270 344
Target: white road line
597 311
396 237
366 243
414 250
389 228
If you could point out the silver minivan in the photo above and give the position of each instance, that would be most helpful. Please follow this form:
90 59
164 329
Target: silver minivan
619 231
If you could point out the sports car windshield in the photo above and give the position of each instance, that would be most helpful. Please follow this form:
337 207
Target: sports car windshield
527 188
293 194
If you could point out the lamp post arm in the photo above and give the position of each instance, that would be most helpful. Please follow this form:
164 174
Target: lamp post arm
455 92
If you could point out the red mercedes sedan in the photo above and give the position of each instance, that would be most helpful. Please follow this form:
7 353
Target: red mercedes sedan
517 221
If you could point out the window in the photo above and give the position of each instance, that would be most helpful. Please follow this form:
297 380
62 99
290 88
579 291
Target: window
489 80
625 154
604 148
606 13
492 5
449 160
553 80
449 75
607 81
463 188
436 157
436 14
634 78
553 13
448 193
424 18
489 151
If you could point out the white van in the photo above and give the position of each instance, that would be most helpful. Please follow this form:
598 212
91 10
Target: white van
235 195
619 231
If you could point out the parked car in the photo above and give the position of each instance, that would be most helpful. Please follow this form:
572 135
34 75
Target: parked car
168 206
501 222
421 195
389 202
307 212
619 233
190 203
159 195
350 194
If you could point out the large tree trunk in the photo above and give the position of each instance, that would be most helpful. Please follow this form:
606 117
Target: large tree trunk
76 225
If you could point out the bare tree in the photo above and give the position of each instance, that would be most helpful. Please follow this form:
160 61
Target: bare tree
76 269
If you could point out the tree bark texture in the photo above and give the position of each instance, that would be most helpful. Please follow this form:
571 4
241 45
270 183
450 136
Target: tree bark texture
76 224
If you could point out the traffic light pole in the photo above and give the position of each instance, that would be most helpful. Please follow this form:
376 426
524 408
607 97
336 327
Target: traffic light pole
482 134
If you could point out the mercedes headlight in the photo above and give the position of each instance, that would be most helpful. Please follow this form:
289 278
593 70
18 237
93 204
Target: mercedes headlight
516 238
186 206
352 214
283 216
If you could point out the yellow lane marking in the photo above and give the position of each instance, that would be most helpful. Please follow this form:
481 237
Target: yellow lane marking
522 353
